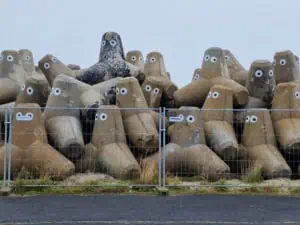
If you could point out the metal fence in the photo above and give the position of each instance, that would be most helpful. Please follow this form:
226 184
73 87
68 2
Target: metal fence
155 147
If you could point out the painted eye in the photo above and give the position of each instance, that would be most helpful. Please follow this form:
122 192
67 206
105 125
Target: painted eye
297 94
54 59
1 57
148 88
197 76
209 94
47 66
152 60
29 90
96 116
181 117
282 62
213 59
103 43
259 73
30 115
18 115
103 116
215 94
206 58
10 58
117 91
190 119
133 58
253 119
156 91
227 58
27 58
23 87
57 91
123 91
247 119
113 43
271 73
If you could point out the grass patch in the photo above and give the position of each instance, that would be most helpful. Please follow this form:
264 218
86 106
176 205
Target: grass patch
221 186
253 176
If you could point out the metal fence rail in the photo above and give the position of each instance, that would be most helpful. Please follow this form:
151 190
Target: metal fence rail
145 147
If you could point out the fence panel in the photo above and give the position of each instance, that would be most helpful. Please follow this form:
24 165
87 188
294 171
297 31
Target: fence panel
107 146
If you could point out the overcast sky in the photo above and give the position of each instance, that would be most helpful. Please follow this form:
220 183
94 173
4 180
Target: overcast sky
180 29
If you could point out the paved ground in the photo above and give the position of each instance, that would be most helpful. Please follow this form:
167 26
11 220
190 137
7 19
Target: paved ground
112 209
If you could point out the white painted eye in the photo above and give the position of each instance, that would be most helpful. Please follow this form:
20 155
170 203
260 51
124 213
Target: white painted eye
215 94
190 119
29 115
282 62
206 57
96 116
54 59
10 58
57 91
247 119
227 58
209 94
133 58
297 94
123 91
156 91
113 43
181 117
253 119
117 91
1 57
103 43
148 88
18 115
103 116
213 59
29 90
274 63
197 76
27 58
23 87
46 66
259 73
271 73
152 60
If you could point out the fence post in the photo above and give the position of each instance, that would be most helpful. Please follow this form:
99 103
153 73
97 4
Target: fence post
162 142
5 149
163 148
160 148
9 145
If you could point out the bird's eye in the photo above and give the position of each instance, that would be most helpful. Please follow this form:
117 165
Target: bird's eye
57 91
156 91
271 73
152 60
190 119
259 73
215 94
148 88
123 91
103 116
133 58
10 58
213 59
297 94
247 119
103 43
197 76
227 58
206 57
29 90
117 91
54 59
46 66
282 62
253 119
113 43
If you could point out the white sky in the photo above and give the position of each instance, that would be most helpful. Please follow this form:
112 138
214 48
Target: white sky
180 29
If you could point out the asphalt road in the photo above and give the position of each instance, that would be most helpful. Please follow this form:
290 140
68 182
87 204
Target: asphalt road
119 210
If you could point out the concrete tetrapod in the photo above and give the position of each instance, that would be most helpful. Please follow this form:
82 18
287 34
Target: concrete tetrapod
108 151
30 148
260 142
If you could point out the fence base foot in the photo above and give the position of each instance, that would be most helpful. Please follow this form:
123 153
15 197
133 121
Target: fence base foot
162 191
5 191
